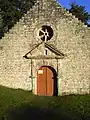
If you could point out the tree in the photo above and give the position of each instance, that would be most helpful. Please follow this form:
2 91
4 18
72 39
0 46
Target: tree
11 11
80 12
1 19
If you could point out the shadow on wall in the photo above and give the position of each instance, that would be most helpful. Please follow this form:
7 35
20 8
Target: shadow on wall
33 113
55 80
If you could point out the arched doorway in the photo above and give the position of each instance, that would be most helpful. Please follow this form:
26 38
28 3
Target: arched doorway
46 81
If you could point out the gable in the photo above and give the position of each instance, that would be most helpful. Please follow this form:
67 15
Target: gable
46 12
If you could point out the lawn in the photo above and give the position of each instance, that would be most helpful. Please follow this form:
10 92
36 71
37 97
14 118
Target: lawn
23 105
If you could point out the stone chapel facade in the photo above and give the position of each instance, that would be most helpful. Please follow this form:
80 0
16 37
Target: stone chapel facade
47 51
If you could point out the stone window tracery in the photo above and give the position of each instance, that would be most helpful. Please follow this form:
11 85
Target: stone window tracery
46 33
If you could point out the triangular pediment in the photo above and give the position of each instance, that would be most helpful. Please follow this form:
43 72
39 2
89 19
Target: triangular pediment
53 49
38 52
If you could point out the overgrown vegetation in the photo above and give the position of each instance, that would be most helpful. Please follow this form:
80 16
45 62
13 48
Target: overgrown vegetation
23 105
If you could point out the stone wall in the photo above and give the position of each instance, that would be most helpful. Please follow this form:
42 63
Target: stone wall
73 40
71 37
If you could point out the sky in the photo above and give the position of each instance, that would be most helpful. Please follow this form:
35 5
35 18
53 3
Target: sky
86 3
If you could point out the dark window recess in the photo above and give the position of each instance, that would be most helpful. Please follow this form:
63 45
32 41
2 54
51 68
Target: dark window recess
46 33
46 52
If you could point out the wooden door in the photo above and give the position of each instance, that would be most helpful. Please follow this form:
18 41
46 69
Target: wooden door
45 82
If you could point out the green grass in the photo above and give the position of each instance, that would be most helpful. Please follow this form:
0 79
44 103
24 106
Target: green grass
23 105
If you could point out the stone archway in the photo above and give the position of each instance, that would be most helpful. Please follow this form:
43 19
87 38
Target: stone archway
46 81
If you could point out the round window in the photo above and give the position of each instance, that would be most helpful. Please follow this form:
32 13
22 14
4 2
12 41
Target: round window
46 33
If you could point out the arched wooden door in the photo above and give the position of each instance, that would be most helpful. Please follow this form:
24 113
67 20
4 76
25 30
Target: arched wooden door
45 81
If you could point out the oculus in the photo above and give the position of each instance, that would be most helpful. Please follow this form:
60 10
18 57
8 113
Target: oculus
45 33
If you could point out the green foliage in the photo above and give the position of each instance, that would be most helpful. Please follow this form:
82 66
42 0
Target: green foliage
80 12
19 105
1 19
11 11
